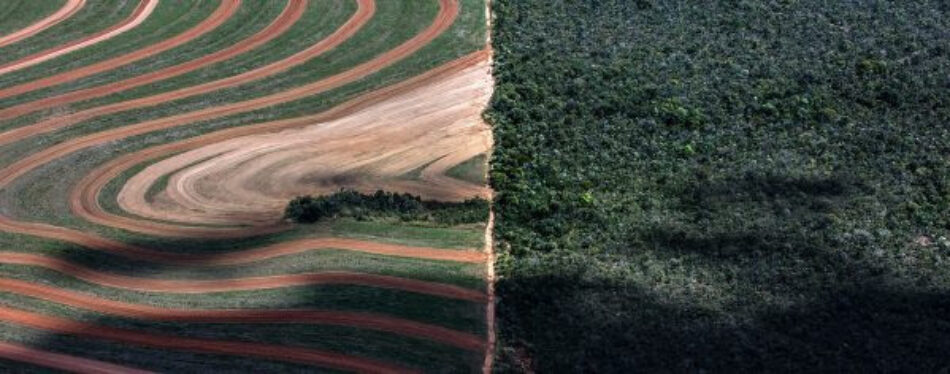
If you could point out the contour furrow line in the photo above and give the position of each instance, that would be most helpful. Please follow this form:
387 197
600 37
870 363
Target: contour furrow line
84 200
141 13
239 284
68 10
366 10
165 341
247 316
20 353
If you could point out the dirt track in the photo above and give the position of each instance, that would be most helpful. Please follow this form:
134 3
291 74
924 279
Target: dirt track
327 317
68 9
245 349
366 10
141 13
225 10
62 362
291 14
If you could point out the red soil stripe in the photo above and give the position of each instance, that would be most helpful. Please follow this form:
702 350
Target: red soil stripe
447 14
298 246
16 352
68 9
239 284
84 200
164 341
290 15
141 12
225 10
146 312
364 13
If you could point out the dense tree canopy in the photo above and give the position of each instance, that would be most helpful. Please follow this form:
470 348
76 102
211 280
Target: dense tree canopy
723 185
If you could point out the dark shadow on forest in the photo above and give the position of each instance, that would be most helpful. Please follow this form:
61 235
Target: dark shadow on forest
833 313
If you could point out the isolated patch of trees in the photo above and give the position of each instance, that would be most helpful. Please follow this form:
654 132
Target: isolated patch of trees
725 185
382 204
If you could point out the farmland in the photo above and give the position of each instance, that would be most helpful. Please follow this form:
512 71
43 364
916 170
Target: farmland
148 149
722 186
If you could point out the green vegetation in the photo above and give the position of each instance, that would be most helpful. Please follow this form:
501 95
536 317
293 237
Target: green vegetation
722 186
320 19
382 204
41 196
166 21
17 14
472 170
94 17
388 347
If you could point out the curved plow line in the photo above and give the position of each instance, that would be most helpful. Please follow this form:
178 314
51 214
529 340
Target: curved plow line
365 11
68 10
236 316
240 284
225 11
84 200
138 16
164 341
447 14
16 352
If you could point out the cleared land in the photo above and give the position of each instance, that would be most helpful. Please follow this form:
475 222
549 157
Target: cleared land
167 250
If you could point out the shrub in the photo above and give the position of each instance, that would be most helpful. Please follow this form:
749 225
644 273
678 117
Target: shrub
382 204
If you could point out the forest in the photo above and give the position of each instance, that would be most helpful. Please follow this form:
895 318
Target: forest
722 185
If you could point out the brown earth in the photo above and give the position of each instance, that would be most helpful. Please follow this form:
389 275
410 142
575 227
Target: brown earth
138 16
291 14
239 284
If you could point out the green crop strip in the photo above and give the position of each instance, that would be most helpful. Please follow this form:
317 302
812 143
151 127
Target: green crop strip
456 314
167 20
722 186
409 351
17 14
458 40
471 170
319 259
320 19
95 16
134 356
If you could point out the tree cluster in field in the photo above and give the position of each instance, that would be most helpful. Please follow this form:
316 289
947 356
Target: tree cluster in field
382 204
725 185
